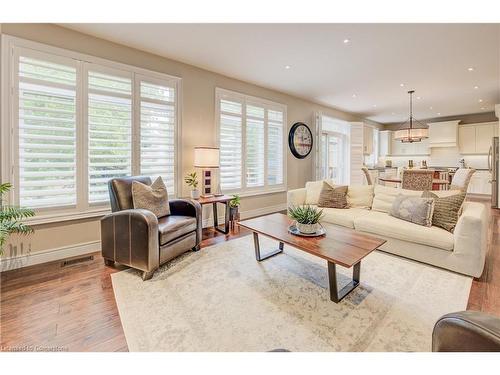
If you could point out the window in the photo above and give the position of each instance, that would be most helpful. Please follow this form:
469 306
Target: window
78 121
333 152
251 140
46 132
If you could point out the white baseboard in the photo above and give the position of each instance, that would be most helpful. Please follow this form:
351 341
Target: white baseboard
50 255
30 259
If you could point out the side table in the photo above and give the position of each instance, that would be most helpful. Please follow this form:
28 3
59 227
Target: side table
224 199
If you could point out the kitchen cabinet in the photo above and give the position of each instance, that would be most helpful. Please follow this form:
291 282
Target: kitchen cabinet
480 183
443 134
466 139
476 138
367 140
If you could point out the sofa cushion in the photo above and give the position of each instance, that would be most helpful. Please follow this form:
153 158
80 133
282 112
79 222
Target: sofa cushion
343 217
446 209
333 197
152 197
174 226
360 196
313 190
413 209
385 196
383 224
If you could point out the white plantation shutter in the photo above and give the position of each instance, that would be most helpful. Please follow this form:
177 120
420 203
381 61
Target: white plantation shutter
251 139
254 161
109 131
356 154
275 147
230 129
46 130
158 126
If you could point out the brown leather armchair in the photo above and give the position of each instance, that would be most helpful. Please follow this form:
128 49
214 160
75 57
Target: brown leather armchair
466 331
138 239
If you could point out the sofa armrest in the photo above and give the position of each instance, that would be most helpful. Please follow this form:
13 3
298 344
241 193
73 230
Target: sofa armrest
188 207
130 237
471 234
296 197
466 331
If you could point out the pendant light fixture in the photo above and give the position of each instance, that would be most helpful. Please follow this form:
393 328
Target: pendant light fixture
411 130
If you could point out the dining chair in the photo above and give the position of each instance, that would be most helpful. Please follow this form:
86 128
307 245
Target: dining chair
416 179
461 179
367 175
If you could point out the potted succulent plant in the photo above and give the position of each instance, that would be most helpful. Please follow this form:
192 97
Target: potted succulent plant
234 206
307 218
192 180
11 218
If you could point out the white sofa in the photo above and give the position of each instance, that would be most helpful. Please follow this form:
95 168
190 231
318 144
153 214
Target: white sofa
462 251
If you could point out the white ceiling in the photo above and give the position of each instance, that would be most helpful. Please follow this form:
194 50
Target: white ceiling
430 58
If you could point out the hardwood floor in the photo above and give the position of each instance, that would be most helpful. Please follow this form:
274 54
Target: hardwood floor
72 308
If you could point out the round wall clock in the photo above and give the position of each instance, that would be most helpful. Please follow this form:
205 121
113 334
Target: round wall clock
300 140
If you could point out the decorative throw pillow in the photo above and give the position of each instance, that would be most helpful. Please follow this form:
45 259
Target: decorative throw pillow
333 197
153 198
446 209
416 210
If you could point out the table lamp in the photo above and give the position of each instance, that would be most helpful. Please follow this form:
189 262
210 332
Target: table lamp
206 158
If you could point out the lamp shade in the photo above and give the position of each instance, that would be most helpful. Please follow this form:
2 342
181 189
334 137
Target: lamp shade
411 135
206 157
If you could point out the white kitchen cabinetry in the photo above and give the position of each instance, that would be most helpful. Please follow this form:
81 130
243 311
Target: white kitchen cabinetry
480 183
367 140
476 138
443 134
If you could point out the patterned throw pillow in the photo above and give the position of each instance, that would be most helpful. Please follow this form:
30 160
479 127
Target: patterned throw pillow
153 198
333 197
416 210
446 209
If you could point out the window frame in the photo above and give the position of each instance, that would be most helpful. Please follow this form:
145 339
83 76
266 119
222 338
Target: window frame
10 49
244 99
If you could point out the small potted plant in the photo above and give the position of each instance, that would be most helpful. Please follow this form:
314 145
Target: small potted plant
11 218
192 180
234 206
307 218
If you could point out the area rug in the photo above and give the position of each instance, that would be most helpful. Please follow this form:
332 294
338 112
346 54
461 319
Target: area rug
222 299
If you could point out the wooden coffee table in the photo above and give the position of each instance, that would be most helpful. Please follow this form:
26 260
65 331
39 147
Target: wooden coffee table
340 246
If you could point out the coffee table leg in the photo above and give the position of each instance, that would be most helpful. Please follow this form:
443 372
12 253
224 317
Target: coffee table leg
257 249
336 295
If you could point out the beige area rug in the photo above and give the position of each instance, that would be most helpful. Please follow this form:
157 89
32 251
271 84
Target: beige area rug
222 299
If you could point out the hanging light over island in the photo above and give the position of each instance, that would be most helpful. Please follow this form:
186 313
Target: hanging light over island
411 130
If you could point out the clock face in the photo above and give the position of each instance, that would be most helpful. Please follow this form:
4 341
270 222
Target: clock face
300 140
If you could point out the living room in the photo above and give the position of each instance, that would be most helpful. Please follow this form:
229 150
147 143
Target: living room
148 171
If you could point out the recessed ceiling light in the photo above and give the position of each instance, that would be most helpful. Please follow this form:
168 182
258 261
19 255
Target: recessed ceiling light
393 113
430 107
470 69
374 105
402 84
347 41
483 108
476 87
354 95
287 67
439 113
419 97
480 100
